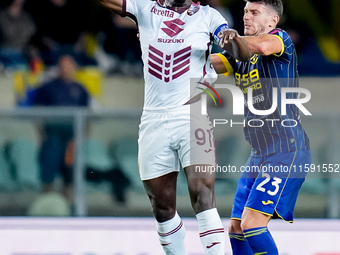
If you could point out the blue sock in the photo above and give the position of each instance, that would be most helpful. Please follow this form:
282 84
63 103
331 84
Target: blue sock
239 244
261 241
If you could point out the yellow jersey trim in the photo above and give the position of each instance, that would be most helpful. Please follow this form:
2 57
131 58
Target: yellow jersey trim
283 47
278 200
290 221
235 219
259 211
227 65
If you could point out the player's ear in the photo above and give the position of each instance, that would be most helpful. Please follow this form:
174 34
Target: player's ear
274 21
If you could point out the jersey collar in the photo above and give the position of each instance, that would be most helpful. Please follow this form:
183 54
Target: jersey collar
192 9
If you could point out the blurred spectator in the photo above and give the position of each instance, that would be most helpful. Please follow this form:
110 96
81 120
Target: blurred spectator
62 30
56 153
308 42
61 91
17 28
298 31
236 7
338 31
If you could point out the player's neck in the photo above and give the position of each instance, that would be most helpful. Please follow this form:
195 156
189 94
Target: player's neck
175 6
264 32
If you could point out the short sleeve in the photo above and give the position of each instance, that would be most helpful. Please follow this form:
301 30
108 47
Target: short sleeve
130 7
217 23
135 8
287 44
228 61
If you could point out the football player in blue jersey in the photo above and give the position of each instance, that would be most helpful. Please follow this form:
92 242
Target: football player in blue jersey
277 148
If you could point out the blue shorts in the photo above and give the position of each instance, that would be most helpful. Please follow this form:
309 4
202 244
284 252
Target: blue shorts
270 184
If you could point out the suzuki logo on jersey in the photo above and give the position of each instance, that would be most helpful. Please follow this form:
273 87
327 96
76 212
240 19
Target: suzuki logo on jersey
168 67
174 27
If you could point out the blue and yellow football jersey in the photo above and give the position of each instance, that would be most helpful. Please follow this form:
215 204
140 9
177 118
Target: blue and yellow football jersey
262 74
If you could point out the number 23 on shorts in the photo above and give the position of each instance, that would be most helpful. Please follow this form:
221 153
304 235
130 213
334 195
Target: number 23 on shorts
275 183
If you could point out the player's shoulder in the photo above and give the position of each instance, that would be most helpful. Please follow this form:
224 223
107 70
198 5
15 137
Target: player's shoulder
145 1
285 37
208 9
280 32
211 15
142 4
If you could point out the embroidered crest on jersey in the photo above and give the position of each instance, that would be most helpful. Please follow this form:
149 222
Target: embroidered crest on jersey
168 67
193 8
173 27
254 59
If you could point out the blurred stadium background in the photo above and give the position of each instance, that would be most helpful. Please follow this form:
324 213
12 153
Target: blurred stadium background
107 134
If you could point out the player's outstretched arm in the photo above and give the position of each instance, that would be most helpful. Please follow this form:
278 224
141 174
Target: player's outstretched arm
234 44
264 45
112 5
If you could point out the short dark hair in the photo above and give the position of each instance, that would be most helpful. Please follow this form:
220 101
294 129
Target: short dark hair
275 4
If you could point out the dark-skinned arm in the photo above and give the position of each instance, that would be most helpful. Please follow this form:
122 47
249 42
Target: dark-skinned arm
235 45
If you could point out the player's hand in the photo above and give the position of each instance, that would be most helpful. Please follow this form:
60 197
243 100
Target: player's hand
234 44
227 35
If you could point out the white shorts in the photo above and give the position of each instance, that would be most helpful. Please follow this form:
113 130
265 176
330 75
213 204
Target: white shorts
172 138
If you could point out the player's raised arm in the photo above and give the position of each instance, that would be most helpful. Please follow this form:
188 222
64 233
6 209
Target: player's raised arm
112 5
243 47
235 45
265 45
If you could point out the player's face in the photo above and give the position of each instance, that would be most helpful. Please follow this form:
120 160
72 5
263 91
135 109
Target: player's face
258 19
67 67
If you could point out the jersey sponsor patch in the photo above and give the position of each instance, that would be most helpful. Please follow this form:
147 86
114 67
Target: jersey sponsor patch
193 8
162 12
